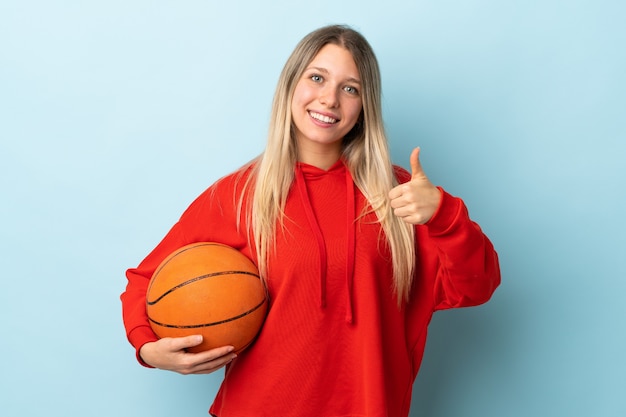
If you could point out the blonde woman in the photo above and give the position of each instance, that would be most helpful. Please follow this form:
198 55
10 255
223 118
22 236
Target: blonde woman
356 253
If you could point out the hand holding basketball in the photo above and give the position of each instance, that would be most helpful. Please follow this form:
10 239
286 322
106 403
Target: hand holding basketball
170 354
417 200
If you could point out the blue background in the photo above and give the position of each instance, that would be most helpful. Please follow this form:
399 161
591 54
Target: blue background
115 114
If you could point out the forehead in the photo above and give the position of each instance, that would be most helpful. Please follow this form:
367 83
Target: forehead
335 59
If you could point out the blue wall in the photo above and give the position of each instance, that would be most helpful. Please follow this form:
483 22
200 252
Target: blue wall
114 115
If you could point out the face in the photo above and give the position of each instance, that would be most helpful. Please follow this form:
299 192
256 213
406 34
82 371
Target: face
327 101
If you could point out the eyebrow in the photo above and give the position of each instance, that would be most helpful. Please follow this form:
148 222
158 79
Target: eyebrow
325 71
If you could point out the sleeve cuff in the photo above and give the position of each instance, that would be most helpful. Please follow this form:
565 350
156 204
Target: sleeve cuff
445 215
138 337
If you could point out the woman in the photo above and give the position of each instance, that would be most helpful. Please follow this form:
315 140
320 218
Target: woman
356 253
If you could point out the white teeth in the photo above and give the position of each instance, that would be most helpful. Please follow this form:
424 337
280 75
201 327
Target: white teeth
322 118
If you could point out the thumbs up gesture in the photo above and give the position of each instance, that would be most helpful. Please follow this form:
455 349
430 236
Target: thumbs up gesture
417 200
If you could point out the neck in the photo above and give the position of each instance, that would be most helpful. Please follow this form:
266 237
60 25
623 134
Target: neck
322 158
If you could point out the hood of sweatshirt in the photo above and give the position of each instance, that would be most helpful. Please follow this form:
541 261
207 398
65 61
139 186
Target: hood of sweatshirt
305 173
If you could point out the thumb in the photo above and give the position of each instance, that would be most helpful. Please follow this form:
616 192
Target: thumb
416 166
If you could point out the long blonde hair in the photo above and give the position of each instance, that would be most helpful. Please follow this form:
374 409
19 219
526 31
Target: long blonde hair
364 149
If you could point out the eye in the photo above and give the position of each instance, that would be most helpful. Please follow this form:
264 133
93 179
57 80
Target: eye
351 90
316 78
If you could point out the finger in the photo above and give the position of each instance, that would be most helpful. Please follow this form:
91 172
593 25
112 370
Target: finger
396 192
180 343
209 368
214 354
416 166
217 359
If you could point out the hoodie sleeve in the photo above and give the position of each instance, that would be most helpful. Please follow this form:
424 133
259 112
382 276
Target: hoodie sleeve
467 271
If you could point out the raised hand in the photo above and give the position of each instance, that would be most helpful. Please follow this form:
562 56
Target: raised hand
417 200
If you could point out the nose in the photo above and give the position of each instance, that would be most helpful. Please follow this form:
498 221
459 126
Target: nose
329 96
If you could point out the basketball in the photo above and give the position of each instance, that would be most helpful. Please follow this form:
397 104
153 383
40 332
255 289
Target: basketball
210 289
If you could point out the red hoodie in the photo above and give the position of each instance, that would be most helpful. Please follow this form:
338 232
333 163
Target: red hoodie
335 343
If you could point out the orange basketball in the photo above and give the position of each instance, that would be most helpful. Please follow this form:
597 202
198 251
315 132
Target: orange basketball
209 289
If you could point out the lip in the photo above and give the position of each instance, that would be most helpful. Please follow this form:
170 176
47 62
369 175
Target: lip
325 114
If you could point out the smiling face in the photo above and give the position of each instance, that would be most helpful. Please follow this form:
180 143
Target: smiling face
326 104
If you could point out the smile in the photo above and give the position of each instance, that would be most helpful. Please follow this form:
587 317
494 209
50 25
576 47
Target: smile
322 118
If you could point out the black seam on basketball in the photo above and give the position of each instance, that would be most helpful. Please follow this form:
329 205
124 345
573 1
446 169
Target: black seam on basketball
215 323
190 246
196 279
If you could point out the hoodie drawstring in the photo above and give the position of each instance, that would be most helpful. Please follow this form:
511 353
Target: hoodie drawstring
350 241
317 232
